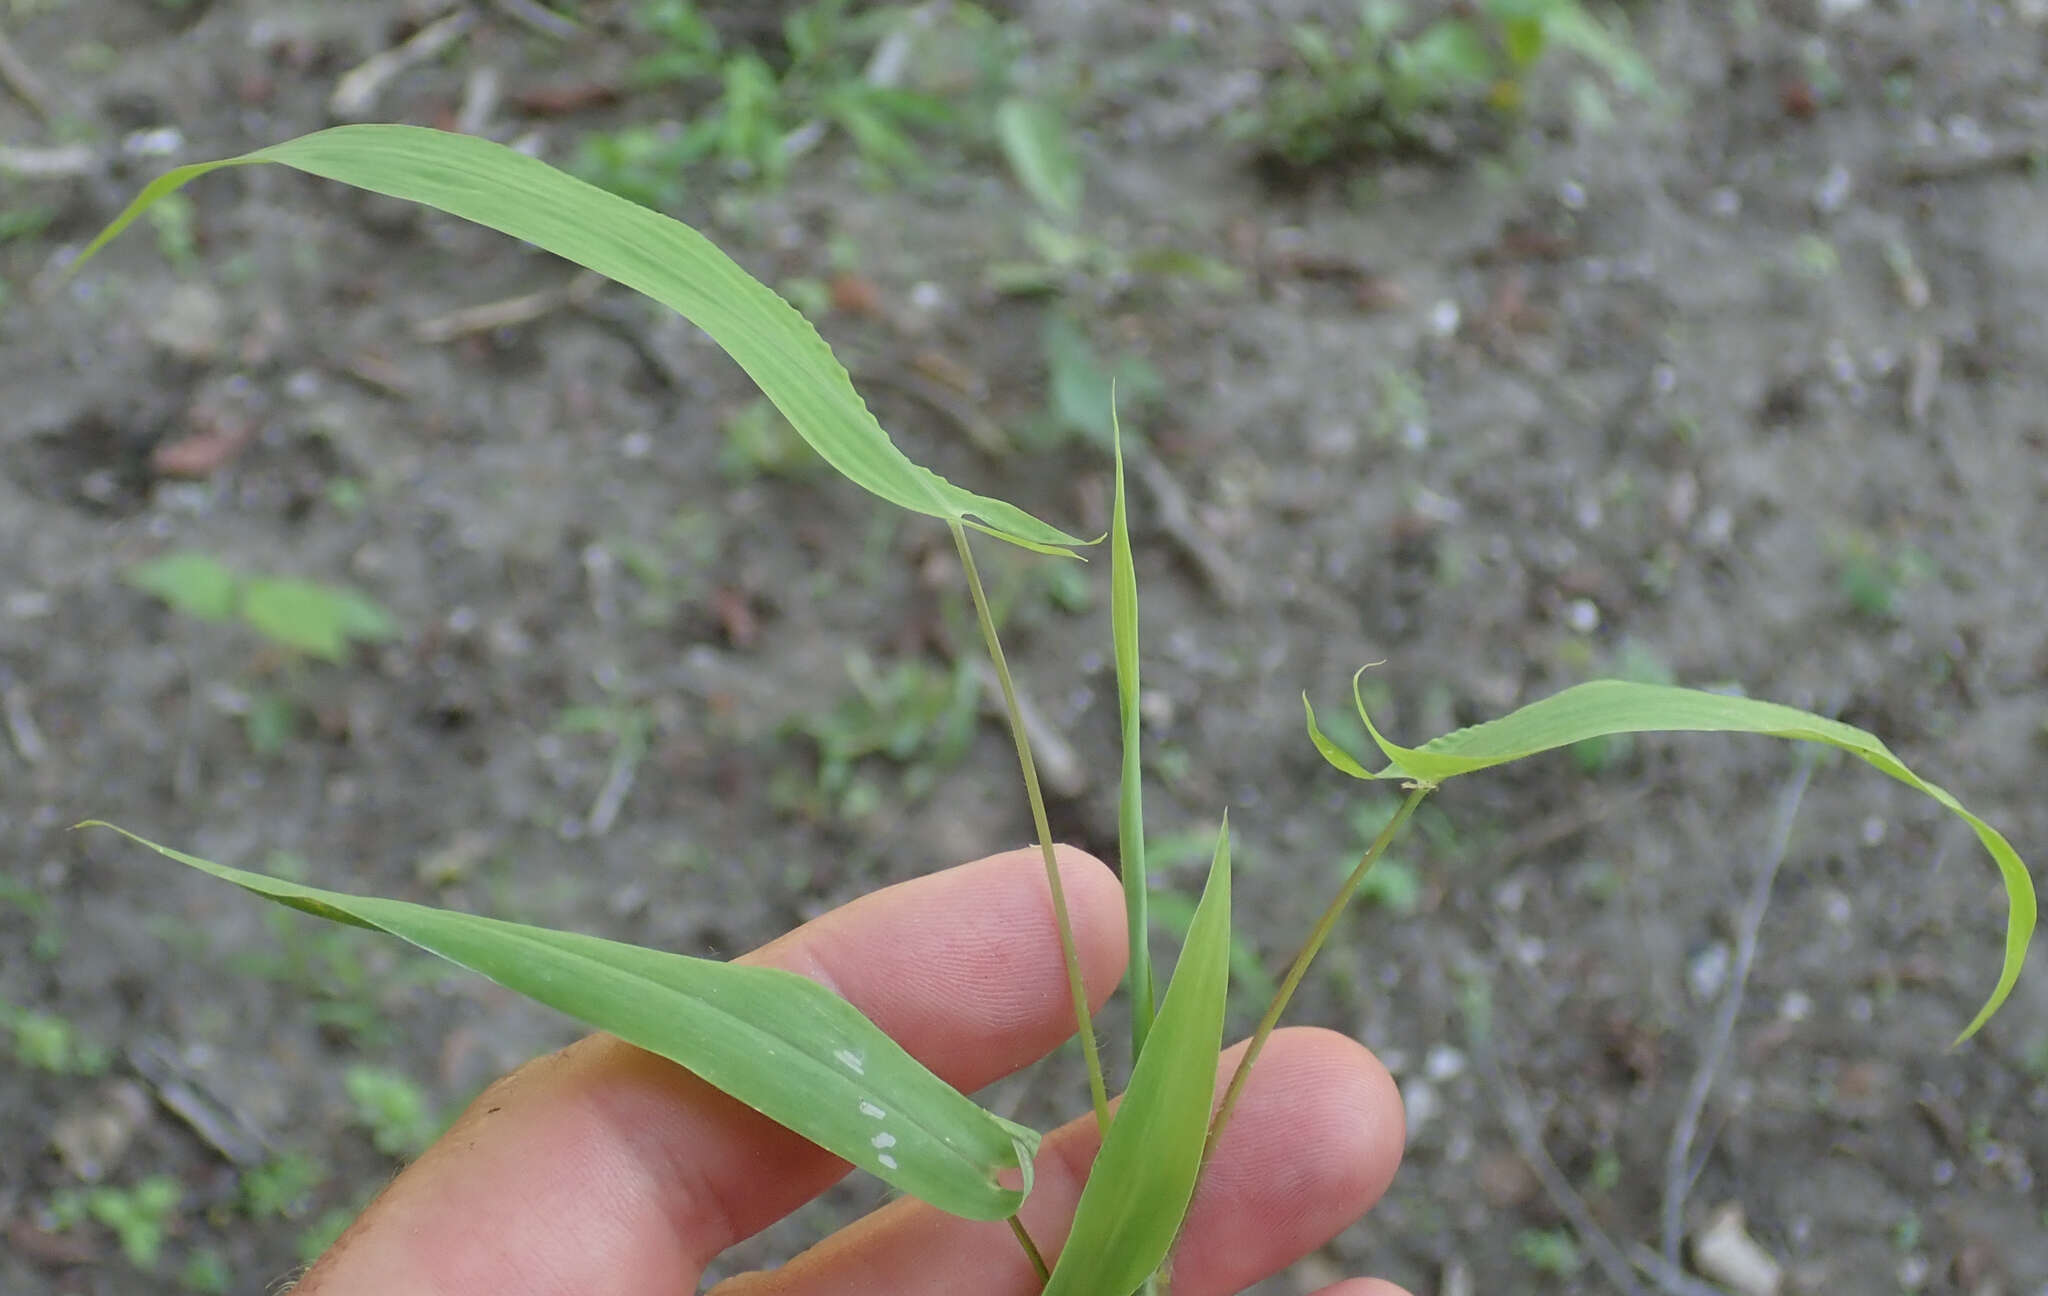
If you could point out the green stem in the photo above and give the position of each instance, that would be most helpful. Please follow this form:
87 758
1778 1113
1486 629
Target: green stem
1030 1249
1324 926
1082 1021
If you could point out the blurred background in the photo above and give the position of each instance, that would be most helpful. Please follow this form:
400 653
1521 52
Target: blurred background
1511 343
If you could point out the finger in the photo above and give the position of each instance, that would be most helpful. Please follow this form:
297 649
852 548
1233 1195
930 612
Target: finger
1314 1143
1362 1287
605 1168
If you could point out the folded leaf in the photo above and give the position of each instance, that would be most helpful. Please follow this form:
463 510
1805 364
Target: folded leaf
1130 803
1144 1177
1606 707
783 1045
665 259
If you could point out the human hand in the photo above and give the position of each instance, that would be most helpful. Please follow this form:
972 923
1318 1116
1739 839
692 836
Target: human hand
605 1169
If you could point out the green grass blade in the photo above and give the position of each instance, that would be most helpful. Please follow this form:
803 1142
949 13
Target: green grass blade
780 1043
1606 707
1130 804
1144 1177
1040 151
512 193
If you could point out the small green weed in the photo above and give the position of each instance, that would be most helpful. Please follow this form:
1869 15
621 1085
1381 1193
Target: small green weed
396 1111
1079 382
753 111
46 940
206 1272
281 1187
1388 85
303 616
325 1231
1552 1252
1872 582
46 1042
139 1216
914 715
759 442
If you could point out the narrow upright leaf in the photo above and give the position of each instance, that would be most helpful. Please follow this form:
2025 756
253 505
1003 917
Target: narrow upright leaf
1144 1177
1036 143
780 1043
512 193
1130 805
1604 707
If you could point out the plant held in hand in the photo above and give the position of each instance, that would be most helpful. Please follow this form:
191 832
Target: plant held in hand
783 1044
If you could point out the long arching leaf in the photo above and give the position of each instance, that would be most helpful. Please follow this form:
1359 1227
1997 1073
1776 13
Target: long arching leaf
780 1043
1606 707
665 259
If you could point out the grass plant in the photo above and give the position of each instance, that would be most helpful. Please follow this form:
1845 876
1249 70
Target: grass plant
785 1045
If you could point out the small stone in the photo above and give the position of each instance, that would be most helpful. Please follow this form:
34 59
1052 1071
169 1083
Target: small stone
1505 1180
1725 1252
92 1137
1443 1063
1419 1100
1838 908
1833 190
1582 615
1157 709
1708 971
190 324
1444 318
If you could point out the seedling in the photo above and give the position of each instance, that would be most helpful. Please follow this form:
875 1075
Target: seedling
46 1042
792 1049
140 1216
913 715
281 1186
304 618
753 118
396 1112
1388 84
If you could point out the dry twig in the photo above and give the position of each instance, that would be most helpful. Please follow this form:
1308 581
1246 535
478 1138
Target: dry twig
1681 1166
355 95
1176 519
1520 1119
523 309
22 79
21 725
2016 153
539 17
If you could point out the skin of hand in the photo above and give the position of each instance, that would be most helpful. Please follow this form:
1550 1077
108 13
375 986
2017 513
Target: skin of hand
603 1168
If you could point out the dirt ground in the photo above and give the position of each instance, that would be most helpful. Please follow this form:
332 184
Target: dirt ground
1745 380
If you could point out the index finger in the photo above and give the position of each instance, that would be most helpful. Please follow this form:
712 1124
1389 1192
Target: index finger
605 1168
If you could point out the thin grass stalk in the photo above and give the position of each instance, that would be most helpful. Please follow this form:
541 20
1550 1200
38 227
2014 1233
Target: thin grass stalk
1130 805
1084 1023
1324 926
1031 1251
